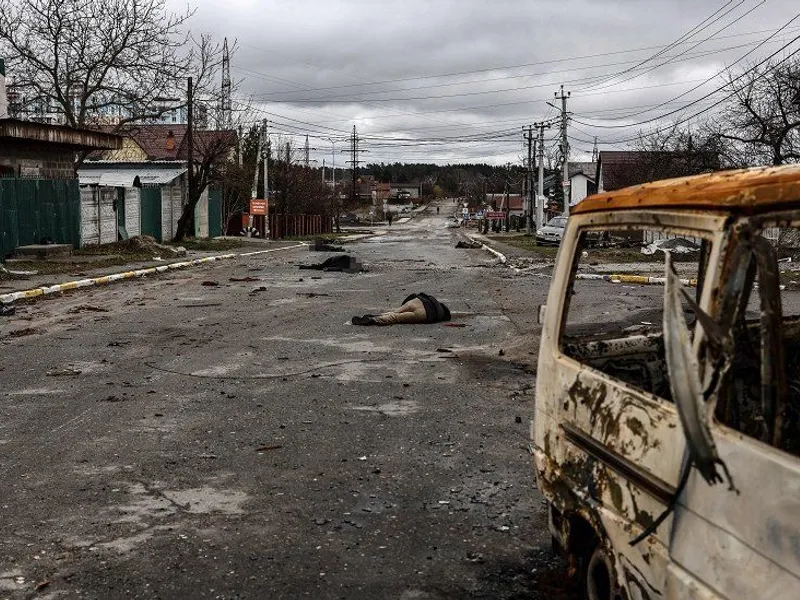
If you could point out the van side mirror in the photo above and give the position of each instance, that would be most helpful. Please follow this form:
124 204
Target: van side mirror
542 311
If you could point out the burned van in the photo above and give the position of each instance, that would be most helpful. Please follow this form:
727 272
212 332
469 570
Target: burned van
665 434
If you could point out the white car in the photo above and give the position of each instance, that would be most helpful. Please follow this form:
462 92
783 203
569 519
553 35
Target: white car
552 232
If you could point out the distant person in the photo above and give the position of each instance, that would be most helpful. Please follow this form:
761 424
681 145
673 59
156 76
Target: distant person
416 309
391 216
437 210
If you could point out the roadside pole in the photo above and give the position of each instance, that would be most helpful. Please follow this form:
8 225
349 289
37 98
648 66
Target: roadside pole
540 186
529 200
564 150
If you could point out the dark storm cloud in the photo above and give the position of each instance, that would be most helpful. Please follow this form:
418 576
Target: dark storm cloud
320 67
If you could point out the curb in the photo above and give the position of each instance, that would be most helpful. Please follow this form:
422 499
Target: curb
621 278
501 257
104 279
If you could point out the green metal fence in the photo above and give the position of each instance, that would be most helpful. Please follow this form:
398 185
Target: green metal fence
151 211
214 212
37 210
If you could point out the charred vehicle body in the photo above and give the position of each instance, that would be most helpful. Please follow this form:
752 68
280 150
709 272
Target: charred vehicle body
665 434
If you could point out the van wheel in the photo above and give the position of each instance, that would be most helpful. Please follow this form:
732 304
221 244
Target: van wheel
598 577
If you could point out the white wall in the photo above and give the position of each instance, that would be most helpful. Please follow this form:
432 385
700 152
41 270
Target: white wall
98 218
171 200
578 188
133 206
201 216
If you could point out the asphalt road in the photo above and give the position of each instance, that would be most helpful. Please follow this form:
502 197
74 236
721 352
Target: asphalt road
165 438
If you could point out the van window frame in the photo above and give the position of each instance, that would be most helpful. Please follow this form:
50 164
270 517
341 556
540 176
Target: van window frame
716 240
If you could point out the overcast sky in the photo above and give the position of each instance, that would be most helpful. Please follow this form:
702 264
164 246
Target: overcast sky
456 80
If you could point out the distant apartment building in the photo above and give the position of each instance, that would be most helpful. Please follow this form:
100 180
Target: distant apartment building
166 111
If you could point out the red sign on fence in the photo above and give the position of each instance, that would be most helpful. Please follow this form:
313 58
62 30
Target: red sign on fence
498 214
258 207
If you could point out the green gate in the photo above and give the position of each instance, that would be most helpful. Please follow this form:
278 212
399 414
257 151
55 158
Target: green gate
151 211
214 212
33 211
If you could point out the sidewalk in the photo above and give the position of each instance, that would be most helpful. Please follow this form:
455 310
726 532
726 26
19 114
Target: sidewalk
41 285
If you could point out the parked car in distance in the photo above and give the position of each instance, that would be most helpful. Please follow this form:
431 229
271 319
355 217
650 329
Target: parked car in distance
348 217
552 232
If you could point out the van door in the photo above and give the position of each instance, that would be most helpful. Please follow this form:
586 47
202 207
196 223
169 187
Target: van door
604 413
743 540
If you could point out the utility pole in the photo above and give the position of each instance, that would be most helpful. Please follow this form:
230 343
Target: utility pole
540 190
239 158
189 140
529 203
354 161
595 151
564 149
306 156
225 116
265 150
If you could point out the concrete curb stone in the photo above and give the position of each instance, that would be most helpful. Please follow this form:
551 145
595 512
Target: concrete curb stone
111 278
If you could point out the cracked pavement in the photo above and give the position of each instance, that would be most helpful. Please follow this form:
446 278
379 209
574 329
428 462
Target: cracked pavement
166 438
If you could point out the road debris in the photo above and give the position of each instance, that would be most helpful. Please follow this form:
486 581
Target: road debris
324 245
23 332
7 310
343 263
268 447
87 308
455 324
469 244
65 372
247 278
210 283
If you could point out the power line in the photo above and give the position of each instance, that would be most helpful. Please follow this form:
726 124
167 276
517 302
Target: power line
719 89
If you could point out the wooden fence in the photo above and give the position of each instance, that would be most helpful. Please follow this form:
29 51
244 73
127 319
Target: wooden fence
283 226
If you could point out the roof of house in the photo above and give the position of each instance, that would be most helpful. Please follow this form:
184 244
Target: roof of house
515 201
57 135
133 174
169 141
618 167
587 168
744 191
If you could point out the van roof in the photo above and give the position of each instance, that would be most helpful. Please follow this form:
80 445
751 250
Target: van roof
745 191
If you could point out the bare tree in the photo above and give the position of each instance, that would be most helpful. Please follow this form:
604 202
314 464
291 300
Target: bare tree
96 61
679 151
762 116
212 152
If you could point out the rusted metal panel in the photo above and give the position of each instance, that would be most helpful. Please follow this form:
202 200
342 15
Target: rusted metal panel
745 191
746 544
